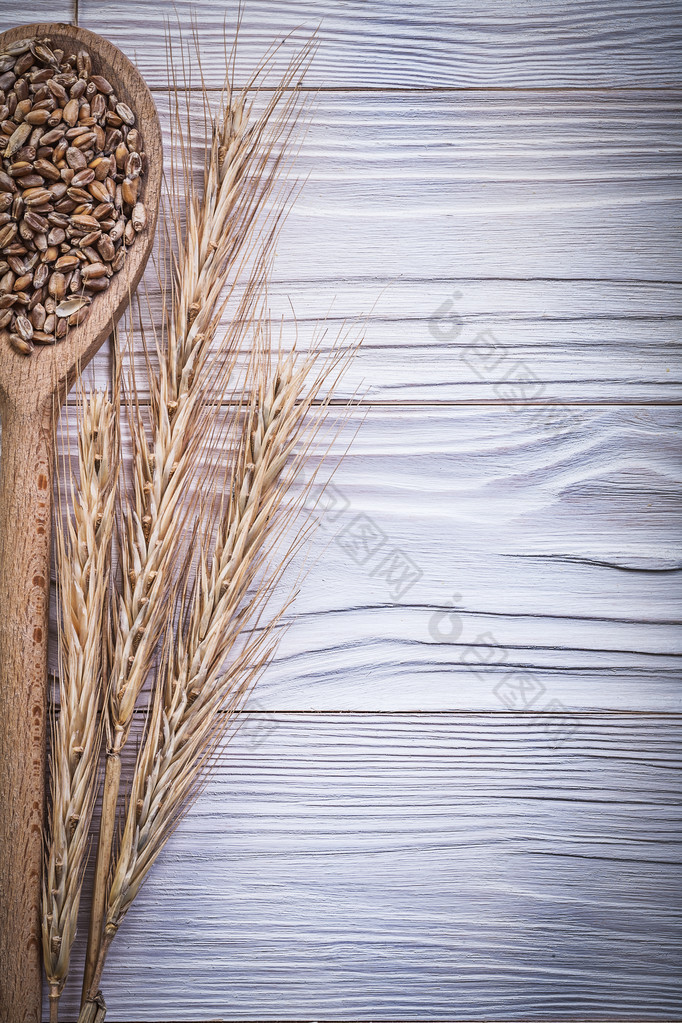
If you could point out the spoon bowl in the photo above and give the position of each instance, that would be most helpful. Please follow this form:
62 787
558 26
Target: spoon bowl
32 390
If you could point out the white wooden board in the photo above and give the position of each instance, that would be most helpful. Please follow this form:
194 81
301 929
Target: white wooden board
397 867
463 270
464 550
459 801
419 43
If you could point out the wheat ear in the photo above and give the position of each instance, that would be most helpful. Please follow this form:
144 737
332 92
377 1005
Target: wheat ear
221 641
226 224
83 546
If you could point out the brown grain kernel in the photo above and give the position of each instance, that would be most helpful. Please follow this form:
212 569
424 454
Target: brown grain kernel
89 239
67 262
47 170
99 191
32 181
106 249
41 337
84 64
57 285
58 91
84 141
102 169
20 345
97 284
79 195
7 234
23 327
75 319
36 196
139 217
22 108
112 139
84 221
70 162
118 260
101 84
129 190
83 177
121 155
19 169
70 306
92 271
38 316
23 63
37 116
75 159
56 236
17 139
17 264
42 52
133 166
70 112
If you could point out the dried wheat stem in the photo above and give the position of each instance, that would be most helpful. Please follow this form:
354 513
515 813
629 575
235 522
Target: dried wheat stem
54 997
83 558
112 781
94 1010
217 654
240 178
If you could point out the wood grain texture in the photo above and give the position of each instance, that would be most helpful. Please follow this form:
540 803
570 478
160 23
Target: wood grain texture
410 224
401 868
25 527
41 10
31 391
420 43
438 187
561 540
448 865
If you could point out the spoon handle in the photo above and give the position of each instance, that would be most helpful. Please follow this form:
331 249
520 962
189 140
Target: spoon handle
26 462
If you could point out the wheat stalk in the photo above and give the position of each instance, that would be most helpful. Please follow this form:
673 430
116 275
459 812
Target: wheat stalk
222 638
229 233
83 546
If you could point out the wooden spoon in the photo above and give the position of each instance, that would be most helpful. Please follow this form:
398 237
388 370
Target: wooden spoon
32 389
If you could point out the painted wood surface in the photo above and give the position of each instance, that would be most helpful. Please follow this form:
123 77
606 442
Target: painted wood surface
465 271
458 801
418 867
464 552
420 43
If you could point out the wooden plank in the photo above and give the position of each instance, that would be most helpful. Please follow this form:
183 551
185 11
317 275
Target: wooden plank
40 10
411 867
410 218
418 43
472 558
418 188
474 341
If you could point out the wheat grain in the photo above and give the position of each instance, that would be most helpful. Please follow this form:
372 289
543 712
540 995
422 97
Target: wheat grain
83 546
222 638
229 232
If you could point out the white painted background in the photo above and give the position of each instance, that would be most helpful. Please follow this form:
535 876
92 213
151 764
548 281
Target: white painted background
385 840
